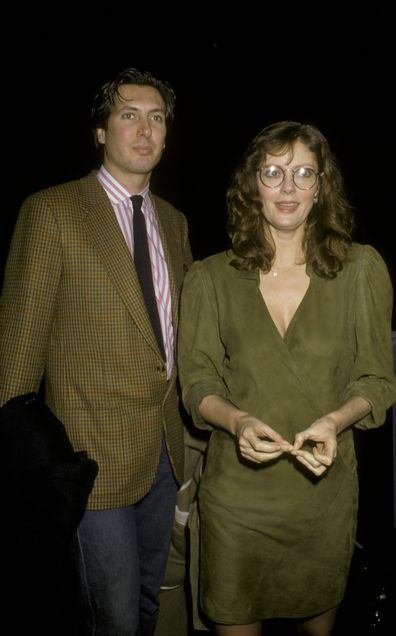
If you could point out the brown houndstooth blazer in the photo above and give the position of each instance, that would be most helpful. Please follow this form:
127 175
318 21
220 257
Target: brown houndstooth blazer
71 310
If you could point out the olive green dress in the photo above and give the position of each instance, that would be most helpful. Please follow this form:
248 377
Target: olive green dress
275 540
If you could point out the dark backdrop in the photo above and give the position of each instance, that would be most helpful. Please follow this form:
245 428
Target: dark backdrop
234 71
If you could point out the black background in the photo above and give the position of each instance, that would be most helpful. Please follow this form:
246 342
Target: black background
234 70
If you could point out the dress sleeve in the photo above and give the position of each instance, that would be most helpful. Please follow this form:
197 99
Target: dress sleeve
373 377
200 350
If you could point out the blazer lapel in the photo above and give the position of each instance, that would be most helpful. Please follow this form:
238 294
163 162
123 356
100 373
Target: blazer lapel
106 236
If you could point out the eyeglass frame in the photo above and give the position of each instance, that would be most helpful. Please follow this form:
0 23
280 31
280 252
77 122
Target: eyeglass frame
293 171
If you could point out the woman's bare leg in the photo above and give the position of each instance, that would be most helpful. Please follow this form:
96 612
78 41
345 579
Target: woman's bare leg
321 625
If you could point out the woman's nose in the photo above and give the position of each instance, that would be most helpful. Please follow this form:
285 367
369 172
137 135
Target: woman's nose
288 184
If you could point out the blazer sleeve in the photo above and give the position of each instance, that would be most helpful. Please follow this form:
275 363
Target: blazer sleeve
28 300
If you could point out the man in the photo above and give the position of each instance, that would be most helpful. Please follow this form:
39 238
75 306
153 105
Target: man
73 314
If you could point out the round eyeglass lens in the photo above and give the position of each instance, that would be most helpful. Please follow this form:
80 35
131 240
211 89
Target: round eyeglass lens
303 177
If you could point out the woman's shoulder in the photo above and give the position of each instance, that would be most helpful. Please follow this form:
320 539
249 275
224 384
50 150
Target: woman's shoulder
215 270
219 261
366 262
363 251
365 256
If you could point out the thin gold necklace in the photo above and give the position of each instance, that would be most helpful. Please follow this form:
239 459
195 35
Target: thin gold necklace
275 272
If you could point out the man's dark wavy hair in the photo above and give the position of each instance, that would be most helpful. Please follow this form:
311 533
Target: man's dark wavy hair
104 98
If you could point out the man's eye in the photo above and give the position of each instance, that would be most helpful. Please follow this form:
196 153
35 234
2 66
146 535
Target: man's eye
157 118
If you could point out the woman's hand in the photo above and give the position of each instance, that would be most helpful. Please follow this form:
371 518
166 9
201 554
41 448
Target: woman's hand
323 434
258 442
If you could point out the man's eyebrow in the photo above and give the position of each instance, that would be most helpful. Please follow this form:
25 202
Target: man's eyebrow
157 109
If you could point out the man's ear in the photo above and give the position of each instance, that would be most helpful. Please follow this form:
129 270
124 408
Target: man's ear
101 135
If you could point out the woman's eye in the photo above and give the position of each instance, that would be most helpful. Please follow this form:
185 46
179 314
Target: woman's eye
305 173
271 171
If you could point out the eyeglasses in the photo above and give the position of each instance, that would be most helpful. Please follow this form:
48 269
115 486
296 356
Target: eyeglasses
304 178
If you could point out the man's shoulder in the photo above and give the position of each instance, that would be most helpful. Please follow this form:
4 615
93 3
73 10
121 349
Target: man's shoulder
75 188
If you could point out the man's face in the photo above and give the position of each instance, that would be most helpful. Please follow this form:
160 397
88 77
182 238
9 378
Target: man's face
135 135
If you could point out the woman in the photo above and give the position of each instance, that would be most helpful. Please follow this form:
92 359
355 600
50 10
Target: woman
284 346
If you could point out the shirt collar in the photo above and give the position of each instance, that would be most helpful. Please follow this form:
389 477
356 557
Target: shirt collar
116 192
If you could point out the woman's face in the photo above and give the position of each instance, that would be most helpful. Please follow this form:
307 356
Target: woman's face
285 205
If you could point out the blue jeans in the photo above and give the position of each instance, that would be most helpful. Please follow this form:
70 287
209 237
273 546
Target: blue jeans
121 557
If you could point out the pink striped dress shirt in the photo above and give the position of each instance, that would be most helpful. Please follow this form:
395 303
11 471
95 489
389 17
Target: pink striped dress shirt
122 206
